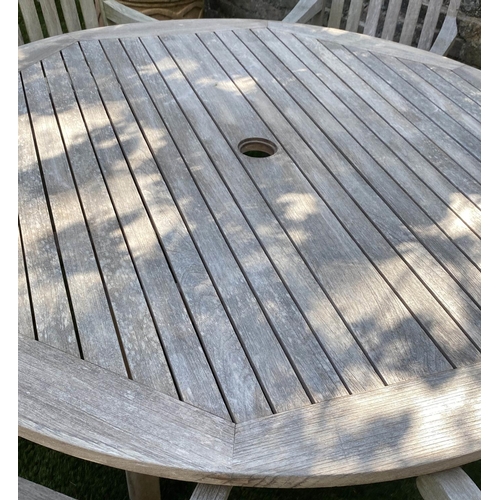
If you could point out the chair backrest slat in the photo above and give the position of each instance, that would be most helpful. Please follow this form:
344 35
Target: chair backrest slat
20 39
335 13
430 22
31 20
410 22
394 15
51 17
391 19
372 17
89 13
354 15
71 15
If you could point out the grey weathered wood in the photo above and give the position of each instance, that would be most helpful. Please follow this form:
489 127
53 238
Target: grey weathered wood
121 14
210 492
141 345
347 433
25 320
460 99
391 19
339 344
442 101
31 21
406 108
410 22
331 242
304 10
27 490
88 410
188 363
346 210
470 74
458 81
232 368
452 484
71 15
305 354
429 26
89 13
143 487
50 303
50 17
372 17
96 330
321 216
354 15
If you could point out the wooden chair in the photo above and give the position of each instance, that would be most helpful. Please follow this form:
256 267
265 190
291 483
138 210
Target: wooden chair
42 18
369 22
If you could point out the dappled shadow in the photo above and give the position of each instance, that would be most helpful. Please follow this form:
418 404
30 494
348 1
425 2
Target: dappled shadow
245 286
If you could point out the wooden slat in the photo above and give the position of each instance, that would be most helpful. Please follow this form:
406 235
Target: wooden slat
470 74
372 17
51 17
227 357
452 484
361 229
51 308
451 224
391 19
340 345
31 21
262 347
70 13
330 246
452 93
95 325
27 490
430 22
439 99
24 318
394 432
89 13
88 410
210 492
455 260
145 358
354 15
460 83
20 40
406 107
189 366
410 22
335 17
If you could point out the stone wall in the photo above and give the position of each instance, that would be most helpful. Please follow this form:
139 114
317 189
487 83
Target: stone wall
467 46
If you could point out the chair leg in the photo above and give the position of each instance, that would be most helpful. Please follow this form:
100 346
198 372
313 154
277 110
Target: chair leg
453 484
143 487
210 492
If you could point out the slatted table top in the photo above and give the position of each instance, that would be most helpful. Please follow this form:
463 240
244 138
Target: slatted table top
309 316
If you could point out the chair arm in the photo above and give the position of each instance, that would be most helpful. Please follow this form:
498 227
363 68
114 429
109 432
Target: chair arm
121 14
304 11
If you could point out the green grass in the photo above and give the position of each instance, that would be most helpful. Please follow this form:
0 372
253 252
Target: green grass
89 481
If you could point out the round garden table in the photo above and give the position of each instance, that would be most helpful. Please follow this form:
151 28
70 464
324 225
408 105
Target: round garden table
249 254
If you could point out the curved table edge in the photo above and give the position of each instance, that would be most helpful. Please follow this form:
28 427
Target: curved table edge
83 410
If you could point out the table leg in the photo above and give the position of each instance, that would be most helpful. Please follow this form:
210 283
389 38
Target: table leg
143 487
210 492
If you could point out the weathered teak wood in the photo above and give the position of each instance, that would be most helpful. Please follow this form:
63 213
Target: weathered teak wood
309 319
453 484
69 19
369 25
28 490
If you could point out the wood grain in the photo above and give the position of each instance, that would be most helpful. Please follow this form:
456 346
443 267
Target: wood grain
27 490
452 484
